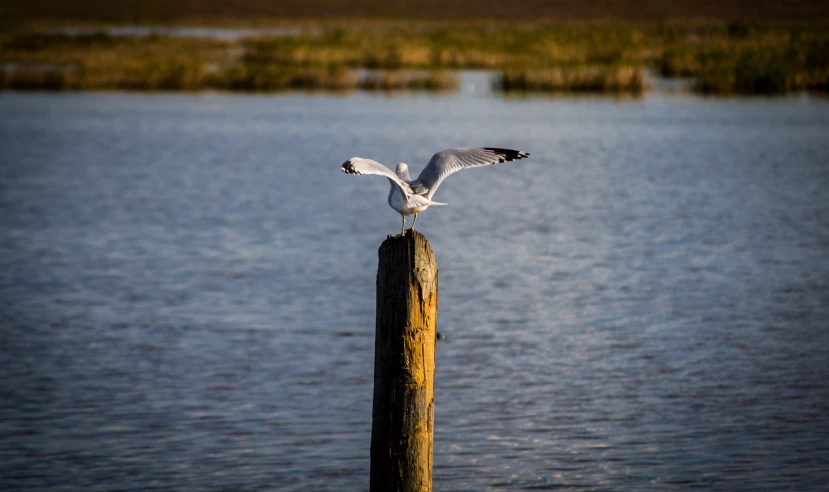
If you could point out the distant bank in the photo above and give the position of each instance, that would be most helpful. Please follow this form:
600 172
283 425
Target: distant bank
588 56
261 11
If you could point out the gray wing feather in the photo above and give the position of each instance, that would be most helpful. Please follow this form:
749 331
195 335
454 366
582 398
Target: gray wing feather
360 166
443 164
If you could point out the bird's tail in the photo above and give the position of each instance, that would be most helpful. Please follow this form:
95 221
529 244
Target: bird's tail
437 203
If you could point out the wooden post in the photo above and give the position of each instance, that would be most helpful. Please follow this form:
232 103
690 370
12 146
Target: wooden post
404 365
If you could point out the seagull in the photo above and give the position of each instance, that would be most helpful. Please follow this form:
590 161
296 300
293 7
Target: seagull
408 196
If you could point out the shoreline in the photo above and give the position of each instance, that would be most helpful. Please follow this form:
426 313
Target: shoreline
720 58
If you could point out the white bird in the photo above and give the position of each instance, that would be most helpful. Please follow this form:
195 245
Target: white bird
409 196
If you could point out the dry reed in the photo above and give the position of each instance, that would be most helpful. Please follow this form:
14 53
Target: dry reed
575 79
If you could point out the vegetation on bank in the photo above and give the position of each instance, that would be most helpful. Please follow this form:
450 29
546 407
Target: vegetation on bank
719 57
578 79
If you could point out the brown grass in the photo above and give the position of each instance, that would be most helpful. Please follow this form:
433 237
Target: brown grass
386 80
576 79
722 57
267 77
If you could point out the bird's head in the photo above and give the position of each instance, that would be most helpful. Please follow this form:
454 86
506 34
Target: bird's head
402 171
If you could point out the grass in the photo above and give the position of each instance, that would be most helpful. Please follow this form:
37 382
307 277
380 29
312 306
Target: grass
474 45
268 77
100 61
747 59
394 80
597 56
577 79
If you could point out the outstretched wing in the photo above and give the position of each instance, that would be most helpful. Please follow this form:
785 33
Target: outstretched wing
443 164
360 166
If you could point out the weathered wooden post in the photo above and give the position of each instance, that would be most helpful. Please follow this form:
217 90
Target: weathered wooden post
404 365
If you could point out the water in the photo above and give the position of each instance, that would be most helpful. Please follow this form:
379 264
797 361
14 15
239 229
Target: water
187 291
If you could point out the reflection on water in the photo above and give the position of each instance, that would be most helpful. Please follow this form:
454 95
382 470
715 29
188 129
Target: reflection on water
187 291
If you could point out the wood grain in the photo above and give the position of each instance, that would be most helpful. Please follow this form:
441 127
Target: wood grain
404 365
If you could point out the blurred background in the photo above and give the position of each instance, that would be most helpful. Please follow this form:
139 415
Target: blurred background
187 280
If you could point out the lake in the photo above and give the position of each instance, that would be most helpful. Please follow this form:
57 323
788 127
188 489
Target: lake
187 290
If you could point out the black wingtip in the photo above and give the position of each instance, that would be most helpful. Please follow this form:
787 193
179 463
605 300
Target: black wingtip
348 167
506 155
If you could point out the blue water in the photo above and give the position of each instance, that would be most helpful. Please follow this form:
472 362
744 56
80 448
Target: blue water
187 291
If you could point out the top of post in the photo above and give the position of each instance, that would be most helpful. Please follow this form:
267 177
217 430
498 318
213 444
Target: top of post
410 235
412 256
413 241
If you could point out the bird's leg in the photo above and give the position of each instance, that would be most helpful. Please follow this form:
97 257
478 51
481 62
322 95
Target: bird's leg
403 227
413 222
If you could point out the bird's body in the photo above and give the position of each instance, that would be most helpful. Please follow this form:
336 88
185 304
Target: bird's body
408 196
408 205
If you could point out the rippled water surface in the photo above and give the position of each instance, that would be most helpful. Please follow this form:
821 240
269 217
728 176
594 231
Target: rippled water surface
187 291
